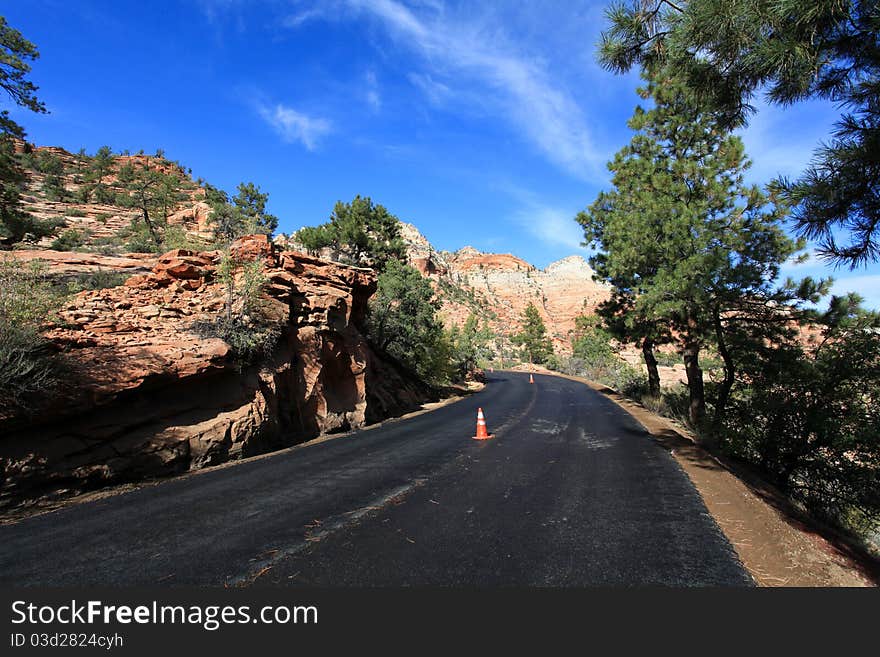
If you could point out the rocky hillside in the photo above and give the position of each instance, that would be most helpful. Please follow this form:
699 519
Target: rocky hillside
83 221
146 390
148 394
498 287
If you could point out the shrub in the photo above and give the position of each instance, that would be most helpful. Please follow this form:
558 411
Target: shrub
104 195
94 280
612 371
137 238
469 347
176 237
811 421
402 321
244 325
30 229
250 340
667 359
28 366
70 240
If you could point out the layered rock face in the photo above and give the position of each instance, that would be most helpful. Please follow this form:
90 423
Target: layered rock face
498 287
147 394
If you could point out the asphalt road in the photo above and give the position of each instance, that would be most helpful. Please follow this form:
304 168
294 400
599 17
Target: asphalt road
570 492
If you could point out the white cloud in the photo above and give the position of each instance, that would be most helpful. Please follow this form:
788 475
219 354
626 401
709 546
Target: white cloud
867 285
371 92
436 92
812 264
775 148
457 52
552 225
295 126
297 19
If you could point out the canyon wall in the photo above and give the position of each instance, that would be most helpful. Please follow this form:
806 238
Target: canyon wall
498 287
146 393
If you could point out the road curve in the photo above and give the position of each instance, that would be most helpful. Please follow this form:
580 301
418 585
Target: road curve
570 492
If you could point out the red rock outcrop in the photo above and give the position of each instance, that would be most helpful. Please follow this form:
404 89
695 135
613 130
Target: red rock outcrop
499 286
147 394
104 224
65 263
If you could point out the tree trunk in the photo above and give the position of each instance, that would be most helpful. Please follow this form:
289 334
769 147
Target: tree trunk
729 374
691 353
150 226
651 364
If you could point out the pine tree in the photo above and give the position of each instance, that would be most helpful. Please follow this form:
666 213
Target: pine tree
470 345
15 53
532 337
402 321
684 241
100 167
360 232
727 51
251 205
245 214
152 191
53 171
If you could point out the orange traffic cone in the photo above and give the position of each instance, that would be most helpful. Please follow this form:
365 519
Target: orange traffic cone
531 379
482 433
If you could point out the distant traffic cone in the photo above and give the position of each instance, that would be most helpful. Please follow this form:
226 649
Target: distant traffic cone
531 379
482 433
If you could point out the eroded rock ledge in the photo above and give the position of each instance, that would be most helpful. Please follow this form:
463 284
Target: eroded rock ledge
146 396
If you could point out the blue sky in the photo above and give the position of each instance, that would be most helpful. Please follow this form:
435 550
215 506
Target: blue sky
483 123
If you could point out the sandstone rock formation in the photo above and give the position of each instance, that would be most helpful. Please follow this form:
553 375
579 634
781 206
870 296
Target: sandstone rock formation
147 394
498 287
103 223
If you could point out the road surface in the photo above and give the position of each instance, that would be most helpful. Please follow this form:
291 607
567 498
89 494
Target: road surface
570 492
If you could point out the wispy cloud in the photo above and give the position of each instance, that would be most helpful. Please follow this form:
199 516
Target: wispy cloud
371 91
296 19
295 126
552 225
867 285
459 51
436 92
775 148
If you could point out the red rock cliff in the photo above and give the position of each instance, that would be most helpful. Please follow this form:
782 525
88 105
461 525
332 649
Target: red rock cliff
147 396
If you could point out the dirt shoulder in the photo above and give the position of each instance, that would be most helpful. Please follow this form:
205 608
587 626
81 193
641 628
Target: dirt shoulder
777 544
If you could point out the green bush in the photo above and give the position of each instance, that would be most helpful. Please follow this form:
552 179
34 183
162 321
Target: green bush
613 372
244 324
469 347
176 237
594 358
402 322
28 366
250 340
70 240
667 359
137 239
94 280
811 421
